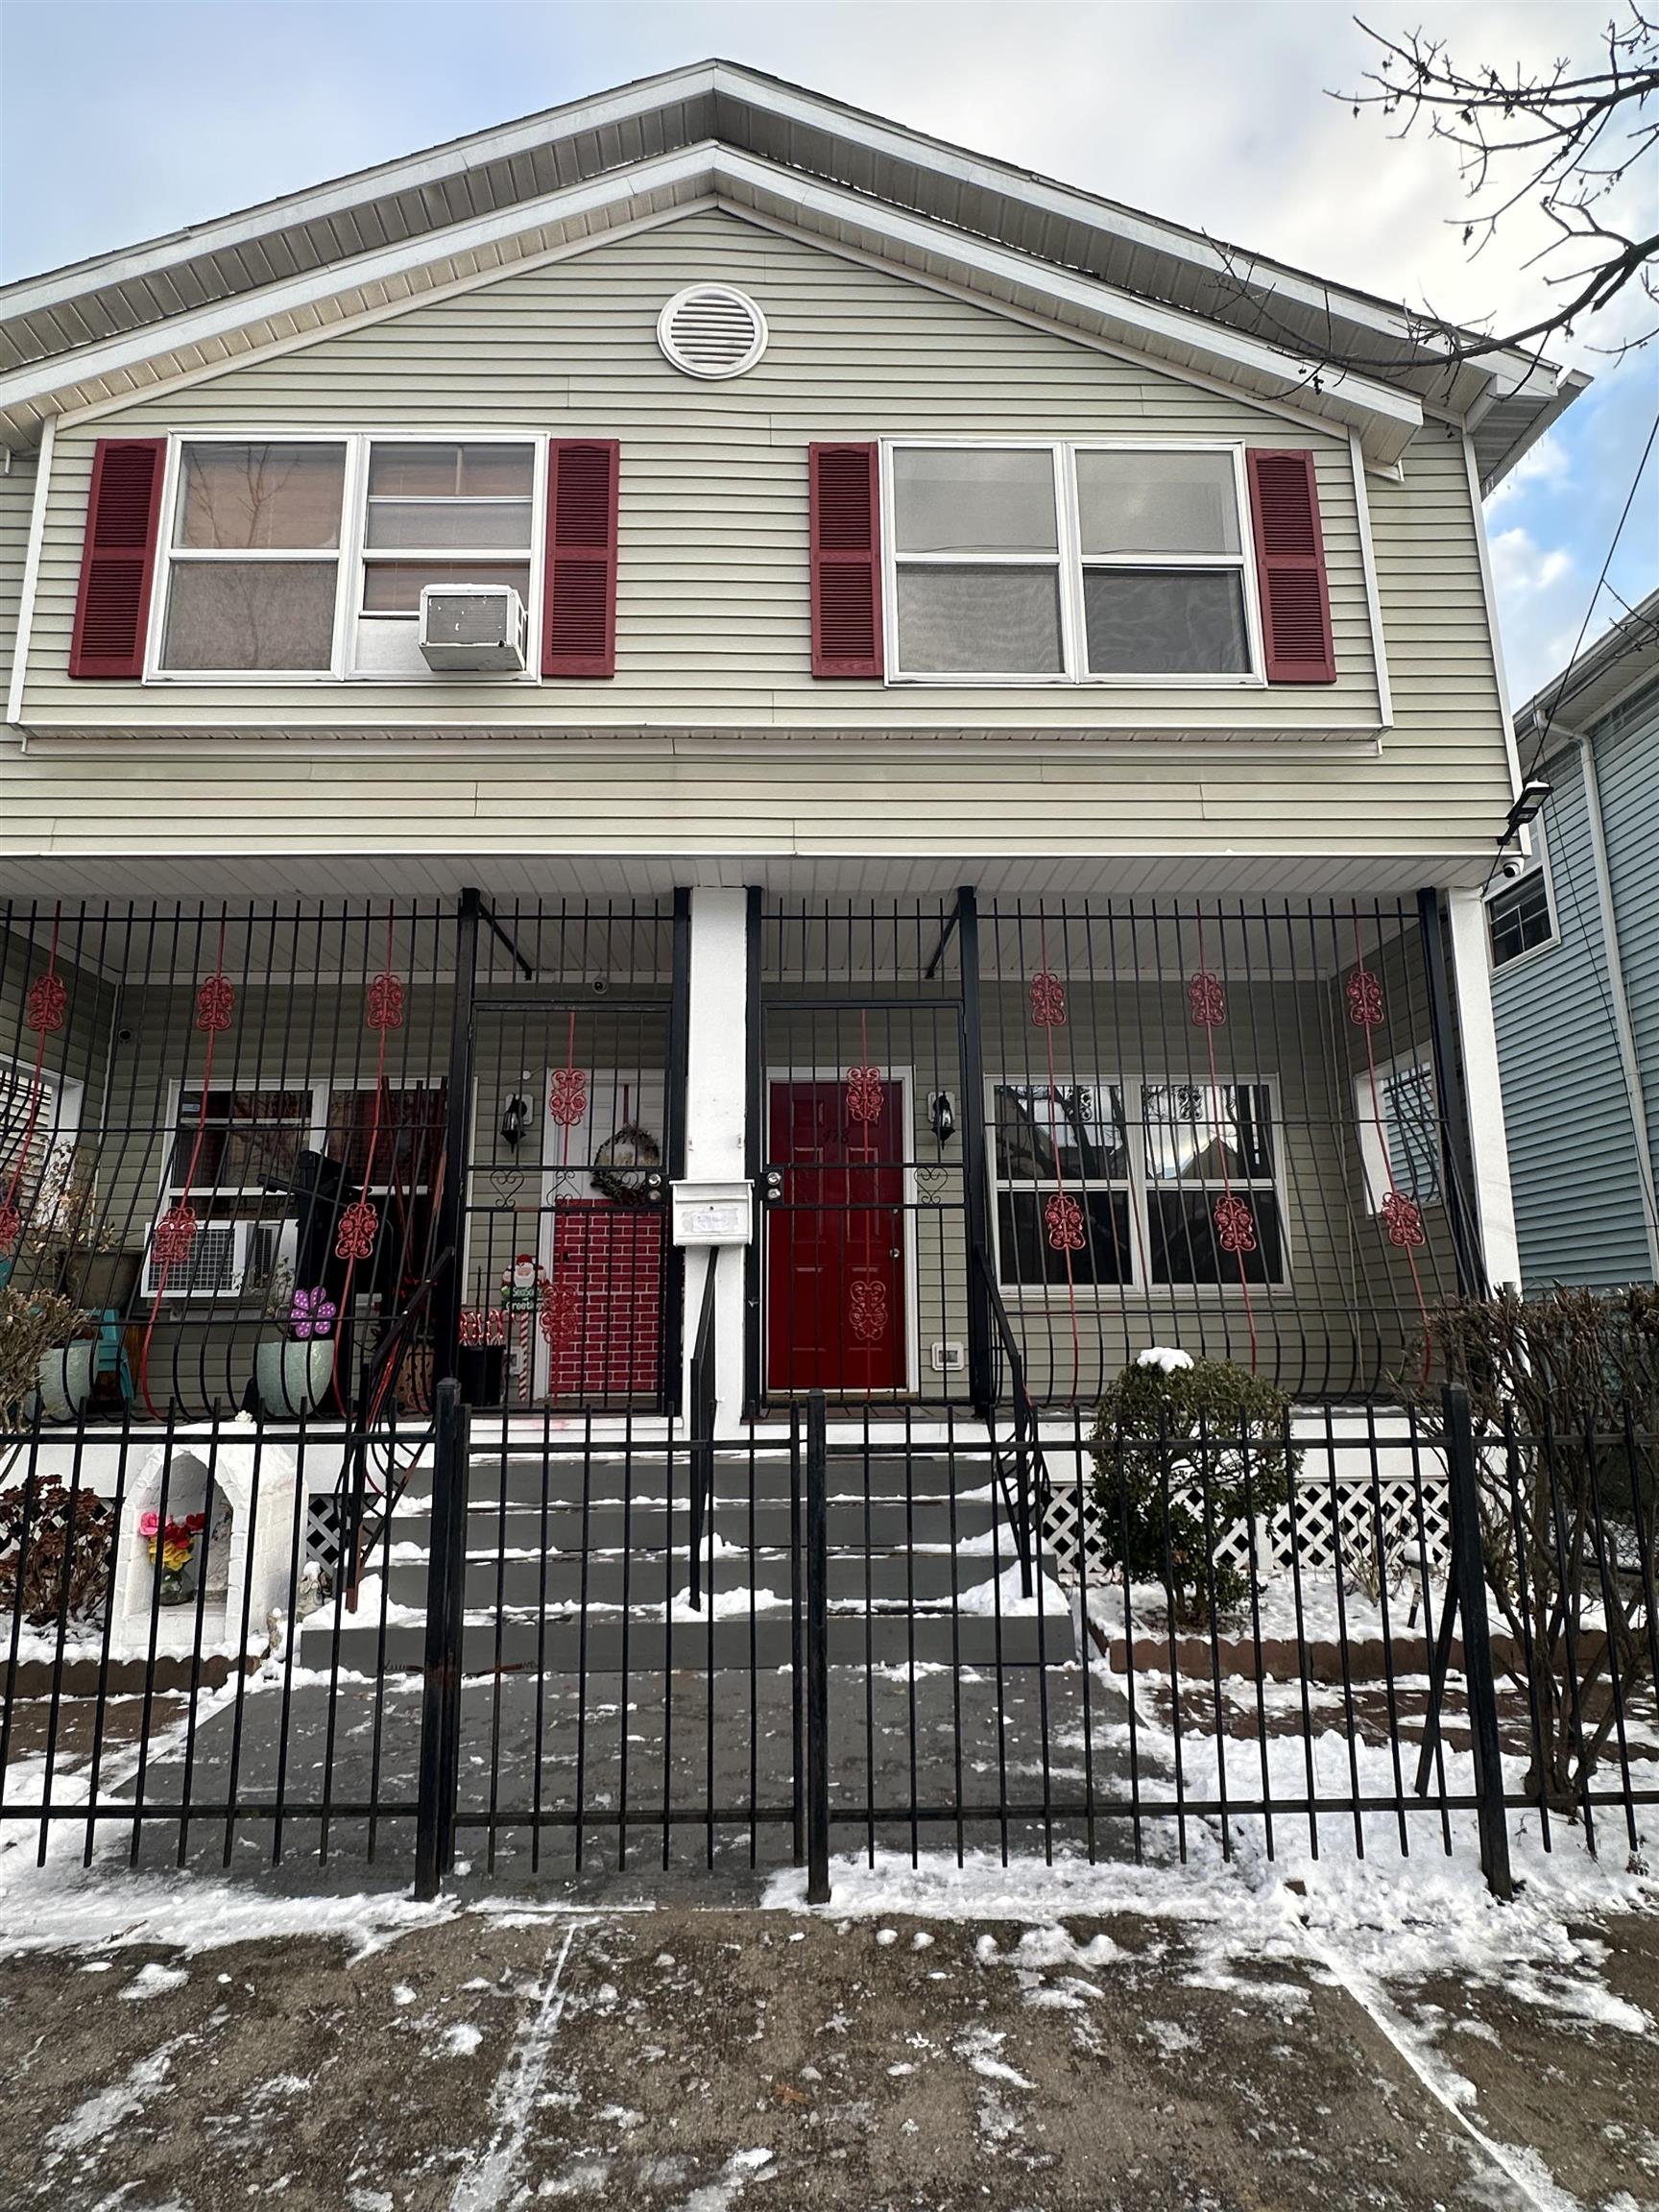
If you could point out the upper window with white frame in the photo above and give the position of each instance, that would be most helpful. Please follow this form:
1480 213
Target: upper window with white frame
1074 563
308 556
1520 914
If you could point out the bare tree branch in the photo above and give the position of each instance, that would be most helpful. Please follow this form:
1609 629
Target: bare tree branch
1560 139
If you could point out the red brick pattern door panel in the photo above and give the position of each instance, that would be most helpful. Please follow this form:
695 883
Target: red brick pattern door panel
835 1245
607 1286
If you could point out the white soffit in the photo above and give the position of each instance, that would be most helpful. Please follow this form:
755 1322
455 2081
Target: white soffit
203 341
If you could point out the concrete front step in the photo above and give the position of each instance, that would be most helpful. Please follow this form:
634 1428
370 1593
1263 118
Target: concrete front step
768 1476
556 1580
608 1524
558 1644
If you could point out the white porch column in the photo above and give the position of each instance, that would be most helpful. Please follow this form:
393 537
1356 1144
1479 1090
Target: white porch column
1472 983
716 1107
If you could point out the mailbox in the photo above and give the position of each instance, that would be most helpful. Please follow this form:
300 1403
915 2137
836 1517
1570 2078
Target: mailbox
713 1213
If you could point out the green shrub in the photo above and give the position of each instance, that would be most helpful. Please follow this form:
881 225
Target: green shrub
1182 1453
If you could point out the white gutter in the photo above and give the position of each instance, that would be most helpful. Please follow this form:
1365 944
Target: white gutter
31 583
1623 1029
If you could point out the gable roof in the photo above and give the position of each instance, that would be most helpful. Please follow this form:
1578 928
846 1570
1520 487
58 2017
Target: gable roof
98 329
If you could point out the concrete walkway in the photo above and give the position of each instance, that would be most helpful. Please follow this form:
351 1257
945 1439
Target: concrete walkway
698 2058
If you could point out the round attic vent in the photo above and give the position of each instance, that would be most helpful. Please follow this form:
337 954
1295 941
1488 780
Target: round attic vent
711 330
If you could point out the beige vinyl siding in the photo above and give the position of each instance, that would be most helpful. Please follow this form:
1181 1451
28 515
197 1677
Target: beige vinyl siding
713 635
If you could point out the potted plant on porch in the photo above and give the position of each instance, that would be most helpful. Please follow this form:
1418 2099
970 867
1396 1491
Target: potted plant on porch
293 1372
45 1358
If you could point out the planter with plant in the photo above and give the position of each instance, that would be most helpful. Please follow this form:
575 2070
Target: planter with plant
1184 1451
292 1372
1564 1395
45 1358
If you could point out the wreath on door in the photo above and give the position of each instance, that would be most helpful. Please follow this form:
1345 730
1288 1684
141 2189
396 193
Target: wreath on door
622 1165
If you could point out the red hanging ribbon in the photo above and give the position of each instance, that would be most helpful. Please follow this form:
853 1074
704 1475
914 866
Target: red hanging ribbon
174 1237
1233 1217
1402 1218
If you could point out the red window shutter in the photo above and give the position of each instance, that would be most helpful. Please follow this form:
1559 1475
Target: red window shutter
846 560
118 558
1290 568
579 620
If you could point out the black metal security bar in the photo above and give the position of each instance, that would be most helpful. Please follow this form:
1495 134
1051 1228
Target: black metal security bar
1359 1631
284 1156
1231 1128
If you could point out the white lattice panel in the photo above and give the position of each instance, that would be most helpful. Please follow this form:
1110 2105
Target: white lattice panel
1324 1518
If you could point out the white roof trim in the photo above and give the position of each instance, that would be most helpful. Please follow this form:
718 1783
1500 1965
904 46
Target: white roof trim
115 368
789 103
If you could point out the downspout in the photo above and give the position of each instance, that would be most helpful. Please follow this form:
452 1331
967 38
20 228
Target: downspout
1621 1025
31 584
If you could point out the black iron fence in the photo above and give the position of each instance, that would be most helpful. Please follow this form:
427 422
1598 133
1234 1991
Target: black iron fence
233 1644
274 1156
1233 1127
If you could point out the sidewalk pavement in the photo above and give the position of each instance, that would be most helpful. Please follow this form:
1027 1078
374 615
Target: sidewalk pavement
683 2057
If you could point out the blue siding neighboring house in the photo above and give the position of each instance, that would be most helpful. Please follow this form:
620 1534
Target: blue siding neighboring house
1575 970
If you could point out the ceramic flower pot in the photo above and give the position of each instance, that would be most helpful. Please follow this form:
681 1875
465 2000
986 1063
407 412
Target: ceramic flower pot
64 1381
292 1378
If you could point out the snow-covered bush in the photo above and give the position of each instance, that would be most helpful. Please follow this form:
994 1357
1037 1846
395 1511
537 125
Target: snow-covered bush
1185 1450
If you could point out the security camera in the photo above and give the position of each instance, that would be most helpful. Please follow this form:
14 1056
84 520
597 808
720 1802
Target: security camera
599 986
1512 867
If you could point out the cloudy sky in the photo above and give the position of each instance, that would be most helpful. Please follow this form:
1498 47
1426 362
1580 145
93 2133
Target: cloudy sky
121 121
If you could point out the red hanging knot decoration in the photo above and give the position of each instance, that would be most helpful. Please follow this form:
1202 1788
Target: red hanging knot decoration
47 1000
1234 1225
867 1312
383 1008
1207 997
1365 1000
560 1312
1063 1218
11 1227
1402 1218
215 1004
864 1093
567 1100
174 1235
358 1225
1048 1000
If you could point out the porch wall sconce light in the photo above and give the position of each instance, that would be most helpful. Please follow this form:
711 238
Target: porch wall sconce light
942 1117
514 1120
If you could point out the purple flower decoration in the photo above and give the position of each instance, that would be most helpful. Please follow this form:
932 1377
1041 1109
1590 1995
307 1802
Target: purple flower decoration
313 1313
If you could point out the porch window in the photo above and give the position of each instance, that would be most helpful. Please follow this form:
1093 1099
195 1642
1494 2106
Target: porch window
1201 1142
238 1153
1072 1139
460 514
40 1123
254 559
1404 1153
248 1161
1074 563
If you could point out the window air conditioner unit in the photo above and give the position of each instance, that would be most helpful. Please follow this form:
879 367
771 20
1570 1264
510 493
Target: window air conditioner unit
476 627
226 1259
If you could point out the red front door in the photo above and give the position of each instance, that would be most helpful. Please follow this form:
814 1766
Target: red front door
835 1245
